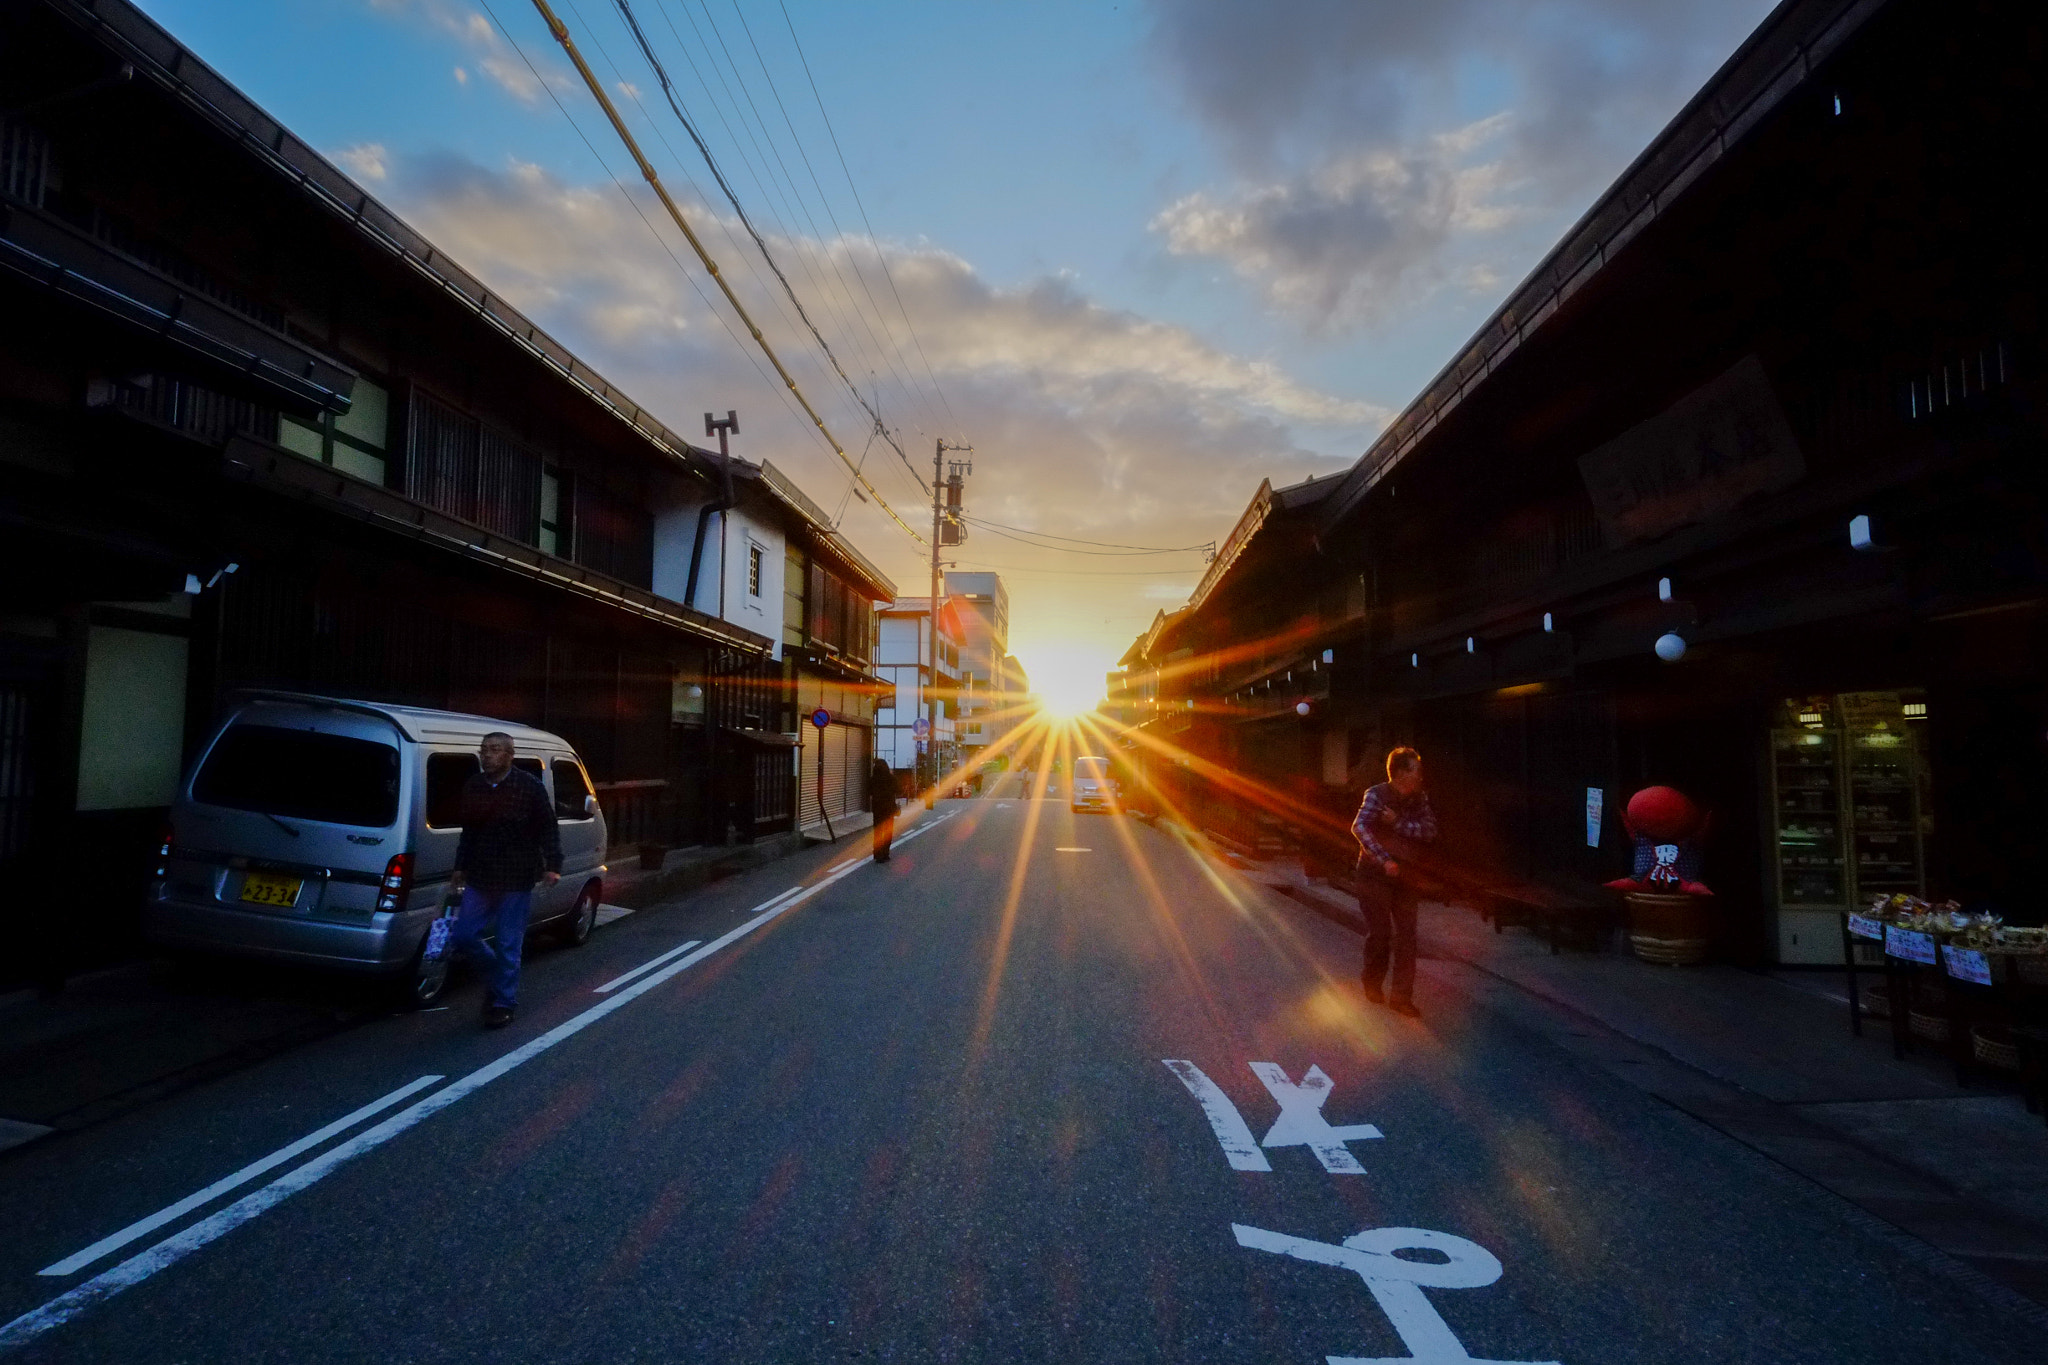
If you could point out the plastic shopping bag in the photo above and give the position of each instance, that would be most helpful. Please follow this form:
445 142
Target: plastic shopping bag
441 931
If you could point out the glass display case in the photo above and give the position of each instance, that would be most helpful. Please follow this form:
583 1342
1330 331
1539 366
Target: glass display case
1848 801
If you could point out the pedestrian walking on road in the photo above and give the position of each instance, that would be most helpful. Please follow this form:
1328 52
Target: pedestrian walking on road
1395 826
882 804
509 842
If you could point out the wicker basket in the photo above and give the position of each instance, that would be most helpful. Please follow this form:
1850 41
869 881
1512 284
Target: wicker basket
1995 1048
1876 1000
1935 1028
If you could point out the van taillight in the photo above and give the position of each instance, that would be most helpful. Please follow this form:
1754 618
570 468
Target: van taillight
163 853
397 882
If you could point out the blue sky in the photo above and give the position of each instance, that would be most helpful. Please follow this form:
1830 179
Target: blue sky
1150 253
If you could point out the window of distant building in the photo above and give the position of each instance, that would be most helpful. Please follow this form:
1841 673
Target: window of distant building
753 571
353 443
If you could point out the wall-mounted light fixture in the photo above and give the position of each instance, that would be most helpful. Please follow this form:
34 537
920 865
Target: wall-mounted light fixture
1860 536
1302 708
1670 647
1415 661
1663 590
1329 656
1471 645
1548 628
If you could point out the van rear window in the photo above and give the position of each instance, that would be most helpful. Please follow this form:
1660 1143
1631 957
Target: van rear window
303 773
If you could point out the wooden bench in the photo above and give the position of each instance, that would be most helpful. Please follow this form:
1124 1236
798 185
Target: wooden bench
1584 916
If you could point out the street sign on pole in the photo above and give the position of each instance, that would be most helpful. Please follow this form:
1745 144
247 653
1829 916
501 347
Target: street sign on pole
921 728
821 718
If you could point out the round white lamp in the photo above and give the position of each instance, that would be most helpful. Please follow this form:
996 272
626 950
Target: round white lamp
1671 647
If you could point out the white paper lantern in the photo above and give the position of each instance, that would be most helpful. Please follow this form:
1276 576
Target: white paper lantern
1671 647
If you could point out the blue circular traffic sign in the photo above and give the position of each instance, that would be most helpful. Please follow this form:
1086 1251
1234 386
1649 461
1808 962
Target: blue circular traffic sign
821 718
920 727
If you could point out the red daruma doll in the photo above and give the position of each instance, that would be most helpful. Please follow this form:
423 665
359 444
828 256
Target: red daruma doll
1668 829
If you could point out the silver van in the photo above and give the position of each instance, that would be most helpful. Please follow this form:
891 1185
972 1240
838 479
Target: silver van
322 831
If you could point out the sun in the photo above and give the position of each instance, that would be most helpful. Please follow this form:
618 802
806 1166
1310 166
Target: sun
1068 681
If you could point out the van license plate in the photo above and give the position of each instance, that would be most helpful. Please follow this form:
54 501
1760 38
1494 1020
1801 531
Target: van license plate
263 888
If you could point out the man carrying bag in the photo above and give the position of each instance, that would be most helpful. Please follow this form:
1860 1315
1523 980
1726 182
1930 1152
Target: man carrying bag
509 842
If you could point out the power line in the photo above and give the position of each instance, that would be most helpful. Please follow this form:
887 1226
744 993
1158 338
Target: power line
661 75
605 166
880 259
823 198
561 35
791 200
1103 546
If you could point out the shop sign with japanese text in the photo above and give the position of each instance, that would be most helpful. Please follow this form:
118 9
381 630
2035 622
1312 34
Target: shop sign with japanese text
1909 944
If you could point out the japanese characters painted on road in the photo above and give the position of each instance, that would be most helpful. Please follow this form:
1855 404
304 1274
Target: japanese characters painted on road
1301 1122
1397 1284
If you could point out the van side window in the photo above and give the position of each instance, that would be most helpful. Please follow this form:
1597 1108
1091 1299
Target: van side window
531 765
570 789
445 775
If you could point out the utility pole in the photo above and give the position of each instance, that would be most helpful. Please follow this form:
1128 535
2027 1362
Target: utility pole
933 703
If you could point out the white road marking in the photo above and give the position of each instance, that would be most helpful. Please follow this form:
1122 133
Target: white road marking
1301 1122
1238 1146
1396 1284
78 1261
608 987
173 1249
1073 850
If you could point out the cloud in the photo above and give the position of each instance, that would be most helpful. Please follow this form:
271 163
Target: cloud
1381 147
365 161
1088 421
1349 240
473 30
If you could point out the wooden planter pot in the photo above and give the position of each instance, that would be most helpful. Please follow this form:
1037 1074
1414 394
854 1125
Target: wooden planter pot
1671 929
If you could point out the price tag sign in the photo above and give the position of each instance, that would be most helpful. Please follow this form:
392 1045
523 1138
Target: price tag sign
1908 944
1967 964
1863 926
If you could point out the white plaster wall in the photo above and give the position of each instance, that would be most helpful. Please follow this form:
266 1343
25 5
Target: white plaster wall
762 614
726 538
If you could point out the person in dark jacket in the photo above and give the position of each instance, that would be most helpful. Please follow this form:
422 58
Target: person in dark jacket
1394 824
509 842
882 805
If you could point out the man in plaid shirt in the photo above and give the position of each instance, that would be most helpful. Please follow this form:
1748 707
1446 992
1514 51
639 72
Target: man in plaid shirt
509 842
1393 821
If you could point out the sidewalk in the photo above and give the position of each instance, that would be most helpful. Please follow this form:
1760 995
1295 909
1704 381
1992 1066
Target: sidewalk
119 1038
1768 1060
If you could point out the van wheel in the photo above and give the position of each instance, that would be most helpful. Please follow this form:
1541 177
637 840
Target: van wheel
582 919
423 981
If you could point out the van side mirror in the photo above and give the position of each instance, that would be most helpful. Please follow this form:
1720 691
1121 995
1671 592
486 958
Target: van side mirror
590 805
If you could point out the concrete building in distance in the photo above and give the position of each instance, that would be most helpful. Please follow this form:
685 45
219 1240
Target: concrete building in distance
993 687
903 662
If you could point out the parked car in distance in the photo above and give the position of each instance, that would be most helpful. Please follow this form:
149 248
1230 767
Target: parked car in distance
1091 787
322 831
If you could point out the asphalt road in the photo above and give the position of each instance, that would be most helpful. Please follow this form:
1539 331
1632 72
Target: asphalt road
924 1113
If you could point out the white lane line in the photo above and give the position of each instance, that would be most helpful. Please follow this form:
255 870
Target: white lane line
171 1250
78 1261
1239 1147
1073 850
608 987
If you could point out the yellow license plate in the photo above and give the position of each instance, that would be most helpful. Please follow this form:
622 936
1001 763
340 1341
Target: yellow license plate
264 888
